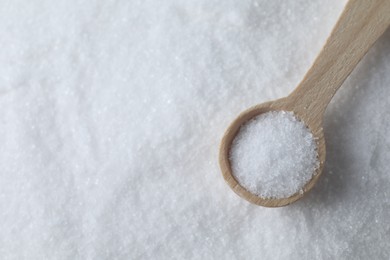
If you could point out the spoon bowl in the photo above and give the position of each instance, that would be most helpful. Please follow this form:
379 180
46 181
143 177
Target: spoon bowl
230 134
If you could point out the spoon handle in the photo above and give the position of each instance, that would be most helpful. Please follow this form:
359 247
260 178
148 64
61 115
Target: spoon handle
360 25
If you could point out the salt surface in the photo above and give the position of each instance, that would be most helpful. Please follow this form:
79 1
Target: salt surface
274 155
111 113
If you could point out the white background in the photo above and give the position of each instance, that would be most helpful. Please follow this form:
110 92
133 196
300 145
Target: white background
111 113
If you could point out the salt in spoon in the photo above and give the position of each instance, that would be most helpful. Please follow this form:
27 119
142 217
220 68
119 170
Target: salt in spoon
361 23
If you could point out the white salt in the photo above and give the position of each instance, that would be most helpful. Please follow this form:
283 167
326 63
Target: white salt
274 155
111 113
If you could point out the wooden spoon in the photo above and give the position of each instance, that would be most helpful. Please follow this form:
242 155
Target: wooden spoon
360 25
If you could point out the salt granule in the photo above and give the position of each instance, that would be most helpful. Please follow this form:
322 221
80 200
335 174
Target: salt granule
274 155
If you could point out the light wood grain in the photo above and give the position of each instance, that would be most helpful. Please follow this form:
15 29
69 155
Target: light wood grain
361 23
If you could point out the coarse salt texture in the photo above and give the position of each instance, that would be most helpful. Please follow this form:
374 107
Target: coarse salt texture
111 114
274 155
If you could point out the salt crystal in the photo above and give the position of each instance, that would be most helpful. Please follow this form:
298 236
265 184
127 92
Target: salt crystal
274 155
